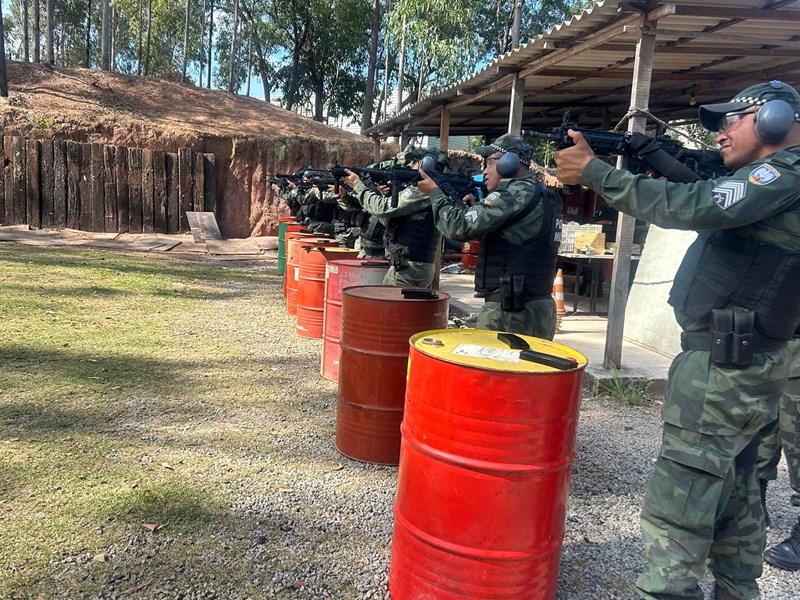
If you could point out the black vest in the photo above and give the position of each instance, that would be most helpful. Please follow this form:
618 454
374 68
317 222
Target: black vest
418 239
721 268
536 259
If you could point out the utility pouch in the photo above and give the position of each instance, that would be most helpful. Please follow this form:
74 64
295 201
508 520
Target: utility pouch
721 336
518 287
398 261
506 293
743 340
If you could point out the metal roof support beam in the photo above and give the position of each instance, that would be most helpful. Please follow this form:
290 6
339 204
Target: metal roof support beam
620 276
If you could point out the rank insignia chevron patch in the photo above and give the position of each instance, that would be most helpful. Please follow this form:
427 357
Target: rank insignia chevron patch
729 193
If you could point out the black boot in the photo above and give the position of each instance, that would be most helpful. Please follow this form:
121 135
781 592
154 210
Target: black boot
762 484
786 555
720 593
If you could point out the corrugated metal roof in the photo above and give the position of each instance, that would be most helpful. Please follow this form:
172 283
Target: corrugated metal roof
705 49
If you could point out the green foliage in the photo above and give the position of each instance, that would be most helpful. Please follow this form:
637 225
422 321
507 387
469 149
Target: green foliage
632 392
43 122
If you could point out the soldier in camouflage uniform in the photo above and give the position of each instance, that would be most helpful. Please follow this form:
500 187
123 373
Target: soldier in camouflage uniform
518 225
784 434
410 238
736 294
319 206
289 195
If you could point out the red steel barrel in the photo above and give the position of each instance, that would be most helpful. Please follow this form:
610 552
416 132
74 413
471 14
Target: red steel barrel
485 467
469 254
377 322
311 287
293 266
340 274
293 230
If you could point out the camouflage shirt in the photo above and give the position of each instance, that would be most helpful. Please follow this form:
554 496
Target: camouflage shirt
507 200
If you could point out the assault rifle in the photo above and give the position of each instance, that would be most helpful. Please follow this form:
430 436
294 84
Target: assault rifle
282 180
455 186
662 154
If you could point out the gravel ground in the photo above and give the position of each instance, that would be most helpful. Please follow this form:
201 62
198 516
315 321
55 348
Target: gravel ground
319 525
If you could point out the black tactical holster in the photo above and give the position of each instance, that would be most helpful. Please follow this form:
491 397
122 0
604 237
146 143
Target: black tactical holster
512 292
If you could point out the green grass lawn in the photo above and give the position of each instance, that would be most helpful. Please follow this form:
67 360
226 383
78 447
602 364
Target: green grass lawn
115 382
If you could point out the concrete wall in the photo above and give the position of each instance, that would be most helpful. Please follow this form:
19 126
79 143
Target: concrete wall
649 320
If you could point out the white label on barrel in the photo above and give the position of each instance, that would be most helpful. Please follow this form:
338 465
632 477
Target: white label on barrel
333 269
297 273
501 354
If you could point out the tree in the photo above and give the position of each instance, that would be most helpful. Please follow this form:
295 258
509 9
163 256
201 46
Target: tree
186 41
3 74
105 36
232 80
369 91
51 9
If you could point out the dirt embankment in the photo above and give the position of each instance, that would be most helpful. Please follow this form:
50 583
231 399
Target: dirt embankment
251 139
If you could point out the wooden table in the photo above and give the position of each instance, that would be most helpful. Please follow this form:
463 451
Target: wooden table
593 262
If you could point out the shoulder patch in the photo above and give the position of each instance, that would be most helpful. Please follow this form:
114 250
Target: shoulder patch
491 198
763 175
729 193
405 194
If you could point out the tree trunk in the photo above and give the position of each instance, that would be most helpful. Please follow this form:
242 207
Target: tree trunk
319 104
26 43
139 45
401 60
202 53
37 37
387 76
210 42
249 58
147 38
51 9
369 92
105 36
185 41
232 75
113 36
88 34
3 74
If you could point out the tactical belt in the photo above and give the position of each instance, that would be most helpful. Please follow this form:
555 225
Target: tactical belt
498 297
702 340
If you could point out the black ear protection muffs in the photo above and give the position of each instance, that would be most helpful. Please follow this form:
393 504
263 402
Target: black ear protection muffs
507 165
773 121
428 163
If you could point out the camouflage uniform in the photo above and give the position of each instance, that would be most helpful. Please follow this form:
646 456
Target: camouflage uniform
412 205
703 499
319 206
538 318
290 197
784 432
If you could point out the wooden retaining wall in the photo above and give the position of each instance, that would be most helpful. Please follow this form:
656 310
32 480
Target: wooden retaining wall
95 187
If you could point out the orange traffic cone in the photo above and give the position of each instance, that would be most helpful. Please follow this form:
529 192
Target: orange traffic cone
558 294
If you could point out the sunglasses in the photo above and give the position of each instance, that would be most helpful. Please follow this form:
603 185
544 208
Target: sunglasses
729 120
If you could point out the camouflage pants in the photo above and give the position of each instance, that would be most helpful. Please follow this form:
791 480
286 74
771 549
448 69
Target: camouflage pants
537 319
372 252
416 274
783 434
703 501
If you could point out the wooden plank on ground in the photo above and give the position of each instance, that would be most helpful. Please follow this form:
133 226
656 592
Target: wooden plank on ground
110 189
148 209
123 189
97 189
173 206
210 183
135 189
244 246
59 183
204 226
160 190
73 185
48 182
185 196
19 210
85 188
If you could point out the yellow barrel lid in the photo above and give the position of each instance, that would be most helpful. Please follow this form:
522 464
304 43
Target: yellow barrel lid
483 349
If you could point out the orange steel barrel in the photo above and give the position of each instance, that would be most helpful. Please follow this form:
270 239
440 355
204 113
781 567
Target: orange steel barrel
293 266
469 254
485 467
376 324
340 274
311 287
293 230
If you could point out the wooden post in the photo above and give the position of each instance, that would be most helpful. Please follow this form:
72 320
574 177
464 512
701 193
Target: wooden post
376 148
8 180
210 183
444 129
74 189
517 104
20 209
59 183
135 190
110 189
48 178
184 186
173 206
98 221
160 190
3 161
198 183
33 184
620 276
148 201
123 190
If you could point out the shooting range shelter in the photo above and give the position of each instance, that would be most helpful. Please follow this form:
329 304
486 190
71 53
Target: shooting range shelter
665 58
